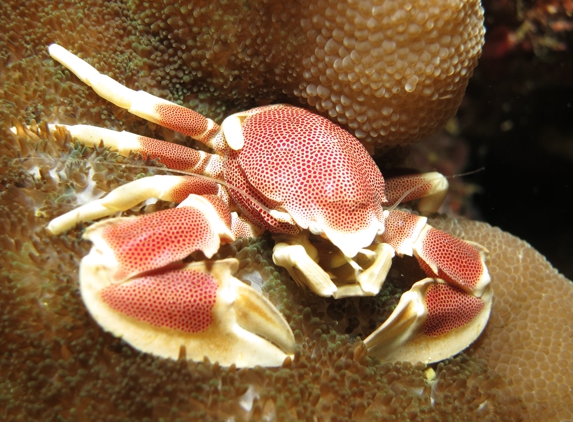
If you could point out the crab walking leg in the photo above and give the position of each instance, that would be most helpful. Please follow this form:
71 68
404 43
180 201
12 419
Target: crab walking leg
174 156
129 246
124 197
430 187
140 103
200 306
440 255
432 322
300 261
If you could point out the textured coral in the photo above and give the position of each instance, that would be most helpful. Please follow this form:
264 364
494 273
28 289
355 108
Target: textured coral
390 72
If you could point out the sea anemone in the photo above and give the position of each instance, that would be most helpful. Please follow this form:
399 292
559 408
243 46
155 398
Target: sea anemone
390 72
56 362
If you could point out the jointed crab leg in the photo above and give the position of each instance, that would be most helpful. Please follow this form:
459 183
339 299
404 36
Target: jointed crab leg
167 188
180 189
440 255
174 156
140 103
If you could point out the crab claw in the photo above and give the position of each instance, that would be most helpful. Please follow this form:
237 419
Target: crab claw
432 322
133 245
439 254
199 306
133 289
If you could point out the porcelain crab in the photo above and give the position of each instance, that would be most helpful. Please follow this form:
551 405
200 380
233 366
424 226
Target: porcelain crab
278 168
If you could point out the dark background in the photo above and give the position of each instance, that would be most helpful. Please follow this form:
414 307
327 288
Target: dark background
517 117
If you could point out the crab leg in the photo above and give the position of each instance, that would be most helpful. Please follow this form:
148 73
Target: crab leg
140 103
440 255
181 189
167 188
430 187
174 156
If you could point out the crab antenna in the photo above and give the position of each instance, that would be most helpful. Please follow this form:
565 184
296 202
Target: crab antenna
467 173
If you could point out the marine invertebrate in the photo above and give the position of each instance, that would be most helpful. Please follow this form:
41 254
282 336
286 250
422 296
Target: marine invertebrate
55 362
317 179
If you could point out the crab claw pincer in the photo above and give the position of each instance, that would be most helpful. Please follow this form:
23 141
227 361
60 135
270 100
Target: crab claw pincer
441 315
133 289
433 321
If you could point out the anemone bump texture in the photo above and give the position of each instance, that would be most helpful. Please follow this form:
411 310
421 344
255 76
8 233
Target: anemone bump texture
55 361
390 71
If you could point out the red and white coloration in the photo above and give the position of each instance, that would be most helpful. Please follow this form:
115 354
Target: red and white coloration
277 168
200 307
